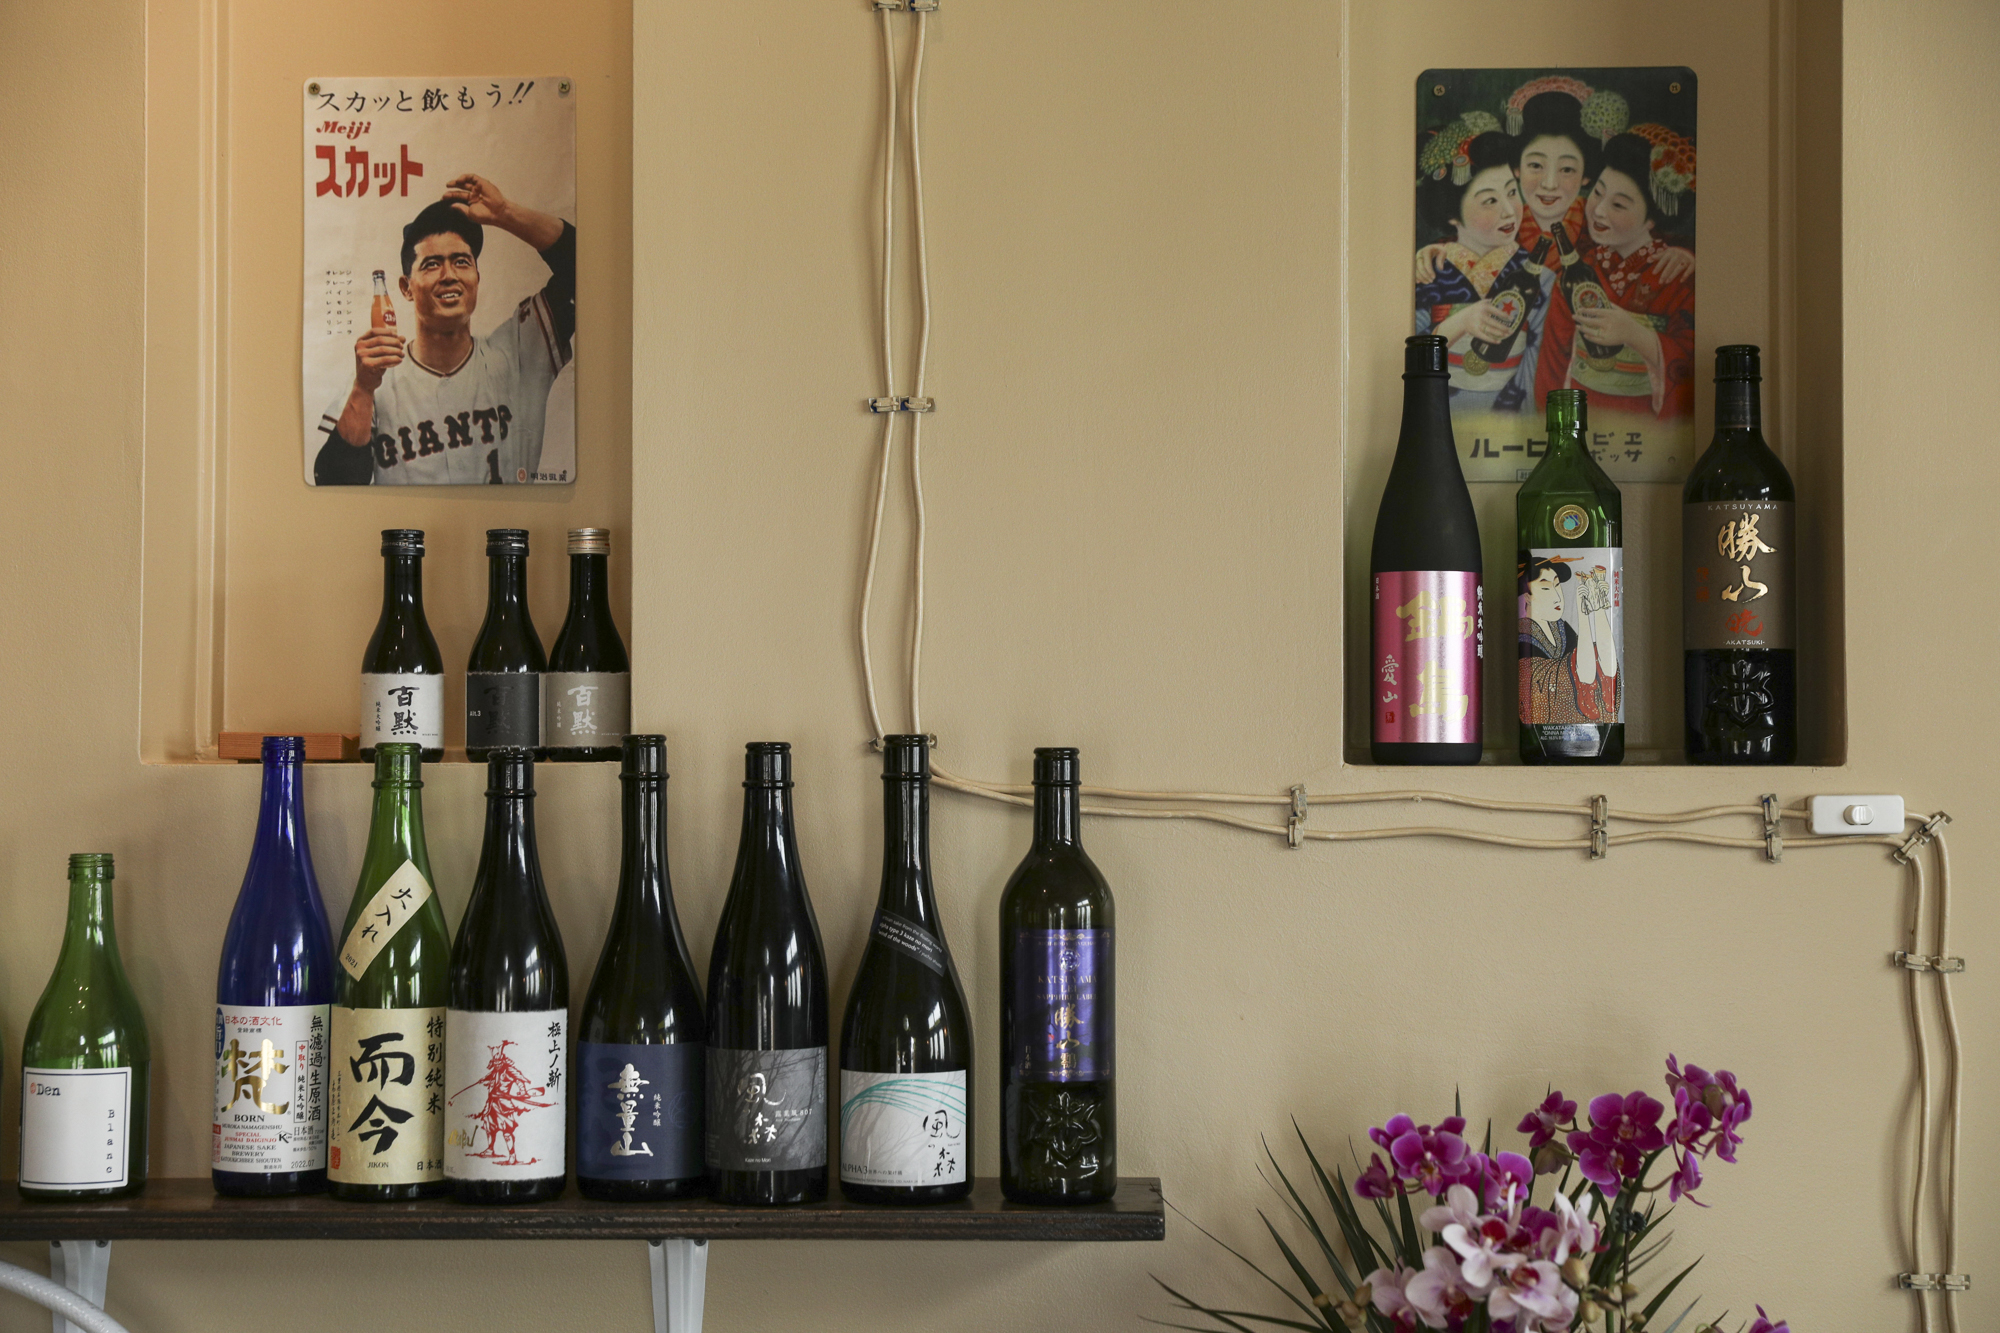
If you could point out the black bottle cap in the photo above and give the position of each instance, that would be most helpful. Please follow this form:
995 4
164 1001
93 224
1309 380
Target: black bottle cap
1424 354
402 541
1738 361
906 757
1056 766
643 757
767 764
510 771
506 541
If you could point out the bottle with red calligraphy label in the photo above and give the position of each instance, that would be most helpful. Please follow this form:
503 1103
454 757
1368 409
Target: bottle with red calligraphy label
1427 637
1058 1098
1738 556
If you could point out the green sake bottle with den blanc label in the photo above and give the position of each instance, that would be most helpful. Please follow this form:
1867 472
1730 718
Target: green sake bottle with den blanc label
86 1061
1569 583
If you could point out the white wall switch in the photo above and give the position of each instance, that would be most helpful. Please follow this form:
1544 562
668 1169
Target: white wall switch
1857 814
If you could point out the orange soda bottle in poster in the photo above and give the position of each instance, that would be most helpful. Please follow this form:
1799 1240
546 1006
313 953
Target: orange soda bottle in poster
382 315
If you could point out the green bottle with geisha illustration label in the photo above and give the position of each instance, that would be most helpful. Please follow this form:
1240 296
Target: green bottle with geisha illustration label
1569 582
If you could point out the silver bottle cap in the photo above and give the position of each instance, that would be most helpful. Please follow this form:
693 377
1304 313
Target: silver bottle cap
590 541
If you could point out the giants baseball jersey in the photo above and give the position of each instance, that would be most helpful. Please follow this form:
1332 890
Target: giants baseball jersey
481 422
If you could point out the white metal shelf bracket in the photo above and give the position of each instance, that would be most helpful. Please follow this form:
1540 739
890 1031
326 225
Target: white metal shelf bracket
680 1282
84 1266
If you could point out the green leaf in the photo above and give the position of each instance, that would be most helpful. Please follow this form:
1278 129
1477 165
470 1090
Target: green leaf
1653 1306
1367 1253
1683 1316
1413 1250
1247 1263
1298 1271
1305 1214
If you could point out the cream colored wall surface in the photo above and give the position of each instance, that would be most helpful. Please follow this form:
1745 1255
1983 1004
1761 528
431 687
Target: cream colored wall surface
1137 519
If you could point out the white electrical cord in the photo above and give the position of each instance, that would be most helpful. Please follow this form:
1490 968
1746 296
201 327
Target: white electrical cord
1140 804
54 1296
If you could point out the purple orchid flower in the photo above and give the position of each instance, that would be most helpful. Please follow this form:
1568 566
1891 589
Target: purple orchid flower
1509 1178
1429 1158
1686 1178
1386 1288
1547 1120
1622 1131
1763 1324
1375 1182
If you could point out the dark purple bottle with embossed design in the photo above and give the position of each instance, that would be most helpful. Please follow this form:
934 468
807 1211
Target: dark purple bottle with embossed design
1058 1101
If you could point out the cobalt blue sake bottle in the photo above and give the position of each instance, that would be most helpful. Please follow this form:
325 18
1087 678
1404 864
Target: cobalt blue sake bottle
272 1004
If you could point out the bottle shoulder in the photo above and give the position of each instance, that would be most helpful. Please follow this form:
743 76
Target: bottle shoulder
1743 469
1051 884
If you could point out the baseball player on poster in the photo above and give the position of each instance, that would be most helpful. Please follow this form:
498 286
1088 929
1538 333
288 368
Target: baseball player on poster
445 406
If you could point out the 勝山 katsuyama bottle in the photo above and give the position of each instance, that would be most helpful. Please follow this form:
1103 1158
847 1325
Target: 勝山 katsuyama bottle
389 1005
767 1008
272 999
507 1032
1429 633
587 698
1739 553
402 673
906 1044
639 1080
1571 600
503 677
85 1063
1058 1100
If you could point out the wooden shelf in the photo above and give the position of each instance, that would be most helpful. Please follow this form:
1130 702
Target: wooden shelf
191 1210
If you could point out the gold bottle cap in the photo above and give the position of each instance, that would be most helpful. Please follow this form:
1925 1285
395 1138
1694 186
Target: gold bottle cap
590 541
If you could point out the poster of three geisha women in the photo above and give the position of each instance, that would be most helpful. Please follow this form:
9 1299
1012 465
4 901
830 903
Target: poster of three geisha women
1556 249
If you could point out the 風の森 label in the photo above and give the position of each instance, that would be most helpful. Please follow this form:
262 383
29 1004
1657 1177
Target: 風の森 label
270 1088
903 1129
766 1109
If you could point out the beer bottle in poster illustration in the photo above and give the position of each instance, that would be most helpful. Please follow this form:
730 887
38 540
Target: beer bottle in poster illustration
1569 584
507 1032
387 1117
767 1008
906 1043
503 676
402 673
1739 556
639 1082
1058 1100
272 997
86 1062
587 695
1428 633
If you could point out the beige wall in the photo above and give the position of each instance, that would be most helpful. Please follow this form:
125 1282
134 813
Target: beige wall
1138 514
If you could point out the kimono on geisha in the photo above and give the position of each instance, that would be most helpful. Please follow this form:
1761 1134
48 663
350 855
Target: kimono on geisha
1465 278
1553 686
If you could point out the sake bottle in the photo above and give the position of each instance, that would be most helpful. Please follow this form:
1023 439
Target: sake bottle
503 677
272 1003
1569 585
389 1004
85 1062
1058 1097
402 674
1428 631
507 1031
639 1080
587 698
906 1042
1739 555
767 1008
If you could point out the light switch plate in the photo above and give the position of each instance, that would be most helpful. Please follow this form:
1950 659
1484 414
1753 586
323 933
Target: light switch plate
1833 815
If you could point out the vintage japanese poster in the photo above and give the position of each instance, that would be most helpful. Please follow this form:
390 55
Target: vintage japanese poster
440 281
1555 248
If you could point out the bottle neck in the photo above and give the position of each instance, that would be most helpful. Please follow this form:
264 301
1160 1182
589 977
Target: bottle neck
506 582
1426 417
403 581
1566 440
1738 407
1058 816
398 821
281 824
642 871
509 858
906 848
768 838
589 583
89 929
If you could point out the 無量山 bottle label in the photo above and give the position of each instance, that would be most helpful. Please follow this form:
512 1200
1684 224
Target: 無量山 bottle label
1062 1005
766 1109
403 706
1572 643
586 708
387 1116
503 708
638 1111
74 1126
270 1088
1429 644
1737 559
390 908
505 1105
903 1129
